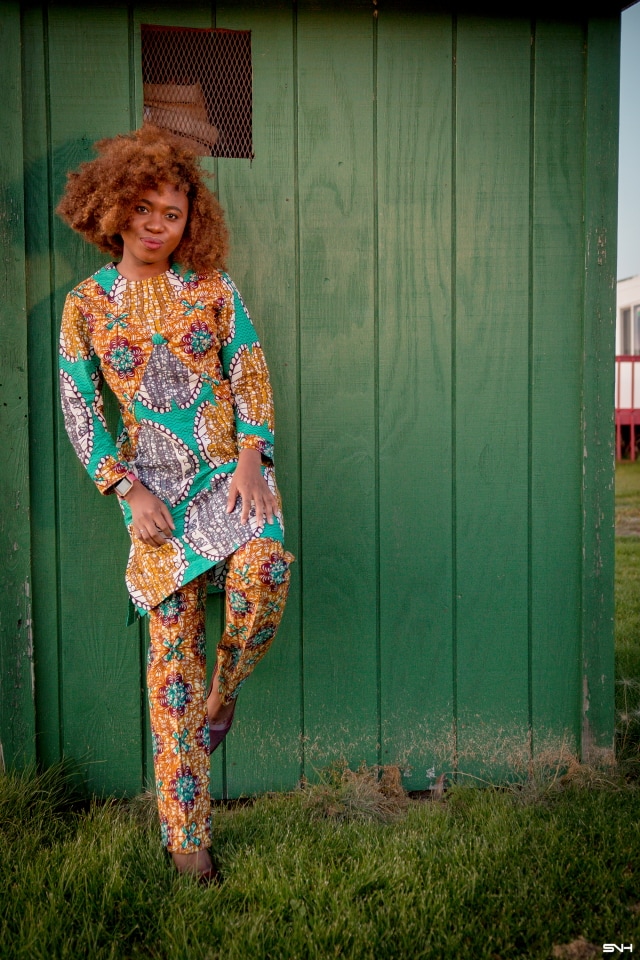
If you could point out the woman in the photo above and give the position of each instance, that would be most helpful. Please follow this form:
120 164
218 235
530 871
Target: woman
192 467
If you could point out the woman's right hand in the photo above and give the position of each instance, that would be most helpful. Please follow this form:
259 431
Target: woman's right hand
152 522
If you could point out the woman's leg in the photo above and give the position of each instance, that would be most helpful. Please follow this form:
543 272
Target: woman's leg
176 677
256 592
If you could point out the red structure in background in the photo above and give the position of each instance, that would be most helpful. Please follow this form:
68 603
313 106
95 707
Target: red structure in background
627 404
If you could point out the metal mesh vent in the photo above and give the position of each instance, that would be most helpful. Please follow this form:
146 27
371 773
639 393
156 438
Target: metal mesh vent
197 83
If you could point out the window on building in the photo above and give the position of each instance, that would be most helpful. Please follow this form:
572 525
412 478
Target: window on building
198 84
625 324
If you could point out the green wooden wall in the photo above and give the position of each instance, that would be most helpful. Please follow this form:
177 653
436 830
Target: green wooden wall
426 241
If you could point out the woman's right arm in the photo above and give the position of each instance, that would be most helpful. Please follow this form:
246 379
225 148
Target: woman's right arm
81 384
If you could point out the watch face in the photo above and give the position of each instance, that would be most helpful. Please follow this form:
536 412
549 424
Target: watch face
123 486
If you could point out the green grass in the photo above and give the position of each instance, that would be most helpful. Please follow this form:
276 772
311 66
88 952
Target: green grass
628 484
628 615
482 875
628 498
338 871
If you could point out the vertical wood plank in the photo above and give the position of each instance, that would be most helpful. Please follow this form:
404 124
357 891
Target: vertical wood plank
492 277
263 749
601 151
201 15
338 381
556 387
17 713
414 255
43 389
100 656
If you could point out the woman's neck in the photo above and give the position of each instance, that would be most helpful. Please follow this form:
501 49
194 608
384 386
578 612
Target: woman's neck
131 268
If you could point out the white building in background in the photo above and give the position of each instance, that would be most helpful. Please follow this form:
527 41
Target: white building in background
628 325
628 368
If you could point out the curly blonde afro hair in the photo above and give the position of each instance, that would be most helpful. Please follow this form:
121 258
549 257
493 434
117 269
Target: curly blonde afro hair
100 196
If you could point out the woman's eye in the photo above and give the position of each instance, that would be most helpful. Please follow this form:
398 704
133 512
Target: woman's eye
141 209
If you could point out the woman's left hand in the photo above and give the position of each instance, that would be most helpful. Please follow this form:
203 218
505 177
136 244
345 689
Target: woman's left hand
248 482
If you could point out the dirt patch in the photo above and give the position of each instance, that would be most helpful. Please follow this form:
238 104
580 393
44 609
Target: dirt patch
579 949
627 522
370 793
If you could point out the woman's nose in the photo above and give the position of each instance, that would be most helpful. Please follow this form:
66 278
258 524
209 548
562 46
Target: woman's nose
155 222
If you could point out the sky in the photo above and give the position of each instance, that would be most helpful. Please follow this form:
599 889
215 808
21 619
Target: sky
629 184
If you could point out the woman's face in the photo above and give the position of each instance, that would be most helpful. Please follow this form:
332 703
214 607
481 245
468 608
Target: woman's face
155 229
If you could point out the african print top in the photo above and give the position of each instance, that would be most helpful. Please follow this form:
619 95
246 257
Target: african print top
183 359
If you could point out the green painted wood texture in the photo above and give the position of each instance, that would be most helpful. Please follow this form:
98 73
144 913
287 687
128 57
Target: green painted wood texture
424 239
17 713
601 151
555 370
490 430
414 354
43 337
338 381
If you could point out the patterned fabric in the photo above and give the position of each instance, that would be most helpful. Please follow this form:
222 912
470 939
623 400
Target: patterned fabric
181 355
256 592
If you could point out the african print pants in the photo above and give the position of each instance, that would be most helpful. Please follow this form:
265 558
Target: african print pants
256 591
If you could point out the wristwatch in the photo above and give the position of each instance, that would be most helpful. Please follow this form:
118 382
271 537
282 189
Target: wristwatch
123 486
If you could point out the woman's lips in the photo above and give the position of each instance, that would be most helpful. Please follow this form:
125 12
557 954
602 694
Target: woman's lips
150 244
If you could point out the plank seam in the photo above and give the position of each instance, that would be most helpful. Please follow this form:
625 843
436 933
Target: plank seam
297 309
454 512
132 66
376 381
221 613
54 380
532 143
139 626
583 426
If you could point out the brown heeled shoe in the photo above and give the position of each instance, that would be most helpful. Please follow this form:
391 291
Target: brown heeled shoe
218 731
210 877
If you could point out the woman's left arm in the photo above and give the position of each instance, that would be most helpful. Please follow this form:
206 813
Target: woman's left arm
244 364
